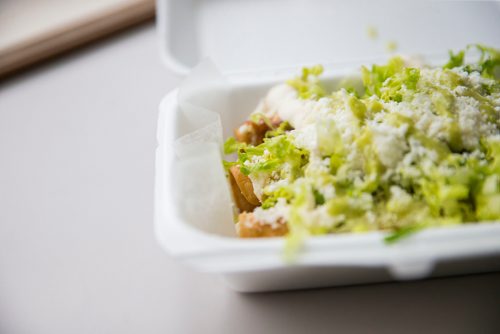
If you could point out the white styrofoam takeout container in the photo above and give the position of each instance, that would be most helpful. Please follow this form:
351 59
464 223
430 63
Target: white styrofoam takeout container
251 265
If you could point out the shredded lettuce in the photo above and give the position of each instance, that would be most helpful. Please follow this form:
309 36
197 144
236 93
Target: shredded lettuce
374 79
280 130
402 233
232 145
308 85
442 172
271 156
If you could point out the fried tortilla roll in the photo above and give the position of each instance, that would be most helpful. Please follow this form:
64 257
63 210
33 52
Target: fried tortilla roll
253 133
245 185
249 227
242 189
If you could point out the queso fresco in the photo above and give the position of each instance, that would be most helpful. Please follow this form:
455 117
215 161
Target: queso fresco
418 147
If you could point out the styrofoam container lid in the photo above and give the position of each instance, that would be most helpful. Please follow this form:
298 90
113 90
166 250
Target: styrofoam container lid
262 34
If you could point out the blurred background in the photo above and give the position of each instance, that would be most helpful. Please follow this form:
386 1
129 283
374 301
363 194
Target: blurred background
33 30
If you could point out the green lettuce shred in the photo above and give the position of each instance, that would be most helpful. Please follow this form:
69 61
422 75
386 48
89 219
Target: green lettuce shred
307 85
346 185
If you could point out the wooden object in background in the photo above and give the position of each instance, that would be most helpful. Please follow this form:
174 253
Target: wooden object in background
41 45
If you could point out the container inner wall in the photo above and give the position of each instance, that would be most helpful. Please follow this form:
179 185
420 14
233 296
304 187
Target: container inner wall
257 34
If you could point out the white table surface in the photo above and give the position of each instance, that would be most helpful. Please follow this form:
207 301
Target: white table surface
77 251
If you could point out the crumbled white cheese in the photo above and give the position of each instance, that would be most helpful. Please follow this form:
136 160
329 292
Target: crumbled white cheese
420 111
275 185
317 166
282 100
274 214
244 128
327 190
473 124
401 195
417 152
390 142
345 120
259 182
474 78
306 138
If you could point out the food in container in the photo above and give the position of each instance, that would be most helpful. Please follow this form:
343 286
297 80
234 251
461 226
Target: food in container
415 146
